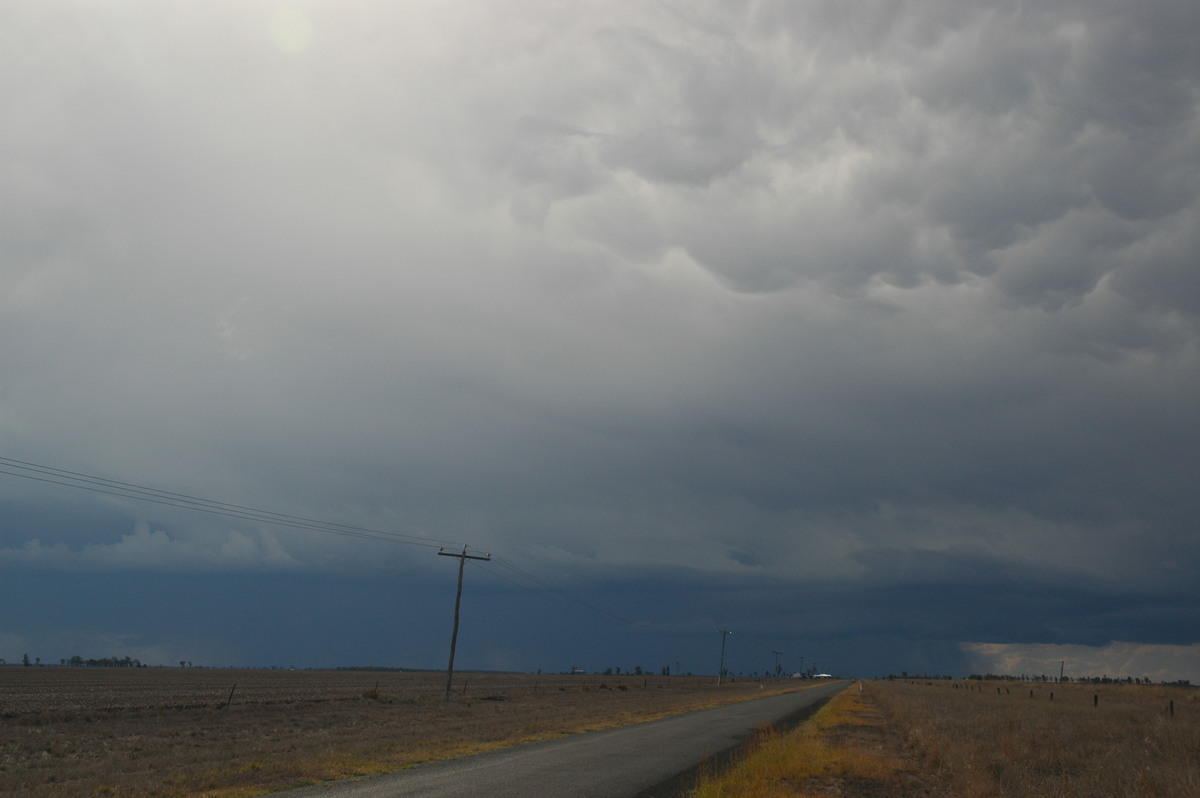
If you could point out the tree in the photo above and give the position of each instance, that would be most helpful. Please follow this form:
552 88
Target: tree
25 660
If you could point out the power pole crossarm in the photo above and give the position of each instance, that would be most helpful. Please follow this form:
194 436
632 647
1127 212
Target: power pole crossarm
462 561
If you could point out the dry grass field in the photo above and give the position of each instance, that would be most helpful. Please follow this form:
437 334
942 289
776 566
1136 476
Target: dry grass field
981 740
225 733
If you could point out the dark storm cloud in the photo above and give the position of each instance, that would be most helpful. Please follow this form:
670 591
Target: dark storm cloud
900 297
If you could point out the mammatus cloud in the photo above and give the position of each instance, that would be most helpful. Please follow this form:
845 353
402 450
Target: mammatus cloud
1121 660
978 143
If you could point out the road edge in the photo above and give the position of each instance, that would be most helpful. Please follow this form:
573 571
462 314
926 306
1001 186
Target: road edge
683 783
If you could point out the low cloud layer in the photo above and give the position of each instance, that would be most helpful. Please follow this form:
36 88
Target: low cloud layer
1115 661
885 299
156 549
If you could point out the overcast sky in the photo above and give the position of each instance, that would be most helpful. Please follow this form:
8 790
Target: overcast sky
867 331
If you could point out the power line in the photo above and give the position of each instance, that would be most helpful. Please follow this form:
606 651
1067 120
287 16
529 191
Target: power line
562 593
144 493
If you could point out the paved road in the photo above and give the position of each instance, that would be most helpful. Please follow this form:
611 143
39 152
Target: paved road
649 759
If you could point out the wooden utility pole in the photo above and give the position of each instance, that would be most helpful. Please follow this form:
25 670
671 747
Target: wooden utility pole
462 561
721 671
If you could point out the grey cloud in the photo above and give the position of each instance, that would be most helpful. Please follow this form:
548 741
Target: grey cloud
761 292
156 549
1114 660
981 134
695 114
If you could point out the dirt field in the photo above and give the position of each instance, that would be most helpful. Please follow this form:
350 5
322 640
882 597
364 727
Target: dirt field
187 732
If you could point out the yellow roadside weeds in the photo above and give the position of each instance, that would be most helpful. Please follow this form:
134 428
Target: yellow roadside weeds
839 747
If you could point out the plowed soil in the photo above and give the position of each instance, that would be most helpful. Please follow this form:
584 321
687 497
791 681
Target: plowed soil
192 731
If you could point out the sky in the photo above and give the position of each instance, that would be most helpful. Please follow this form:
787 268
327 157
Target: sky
867 332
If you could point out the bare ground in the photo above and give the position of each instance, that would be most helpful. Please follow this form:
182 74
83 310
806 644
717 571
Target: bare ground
188 732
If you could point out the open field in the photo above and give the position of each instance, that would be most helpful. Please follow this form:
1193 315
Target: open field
981 739
1012 738
187 732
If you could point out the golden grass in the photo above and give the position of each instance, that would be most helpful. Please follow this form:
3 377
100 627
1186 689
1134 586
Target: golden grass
835 750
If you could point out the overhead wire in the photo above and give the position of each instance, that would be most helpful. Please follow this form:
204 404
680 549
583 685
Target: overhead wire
562 594
143 493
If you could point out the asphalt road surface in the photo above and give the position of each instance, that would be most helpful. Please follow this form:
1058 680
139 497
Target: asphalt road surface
658 758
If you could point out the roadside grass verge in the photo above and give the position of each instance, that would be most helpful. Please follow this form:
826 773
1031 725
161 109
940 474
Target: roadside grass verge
840 751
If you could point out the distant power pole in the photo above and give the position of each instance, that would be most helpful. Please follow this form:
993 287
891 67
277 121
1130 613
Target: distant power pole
462 561
721 672
778 669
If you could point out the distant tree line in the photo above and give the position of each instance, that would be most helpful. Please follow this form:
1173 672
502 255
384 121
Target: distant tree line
102 662
993 677
637 670
1008 677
